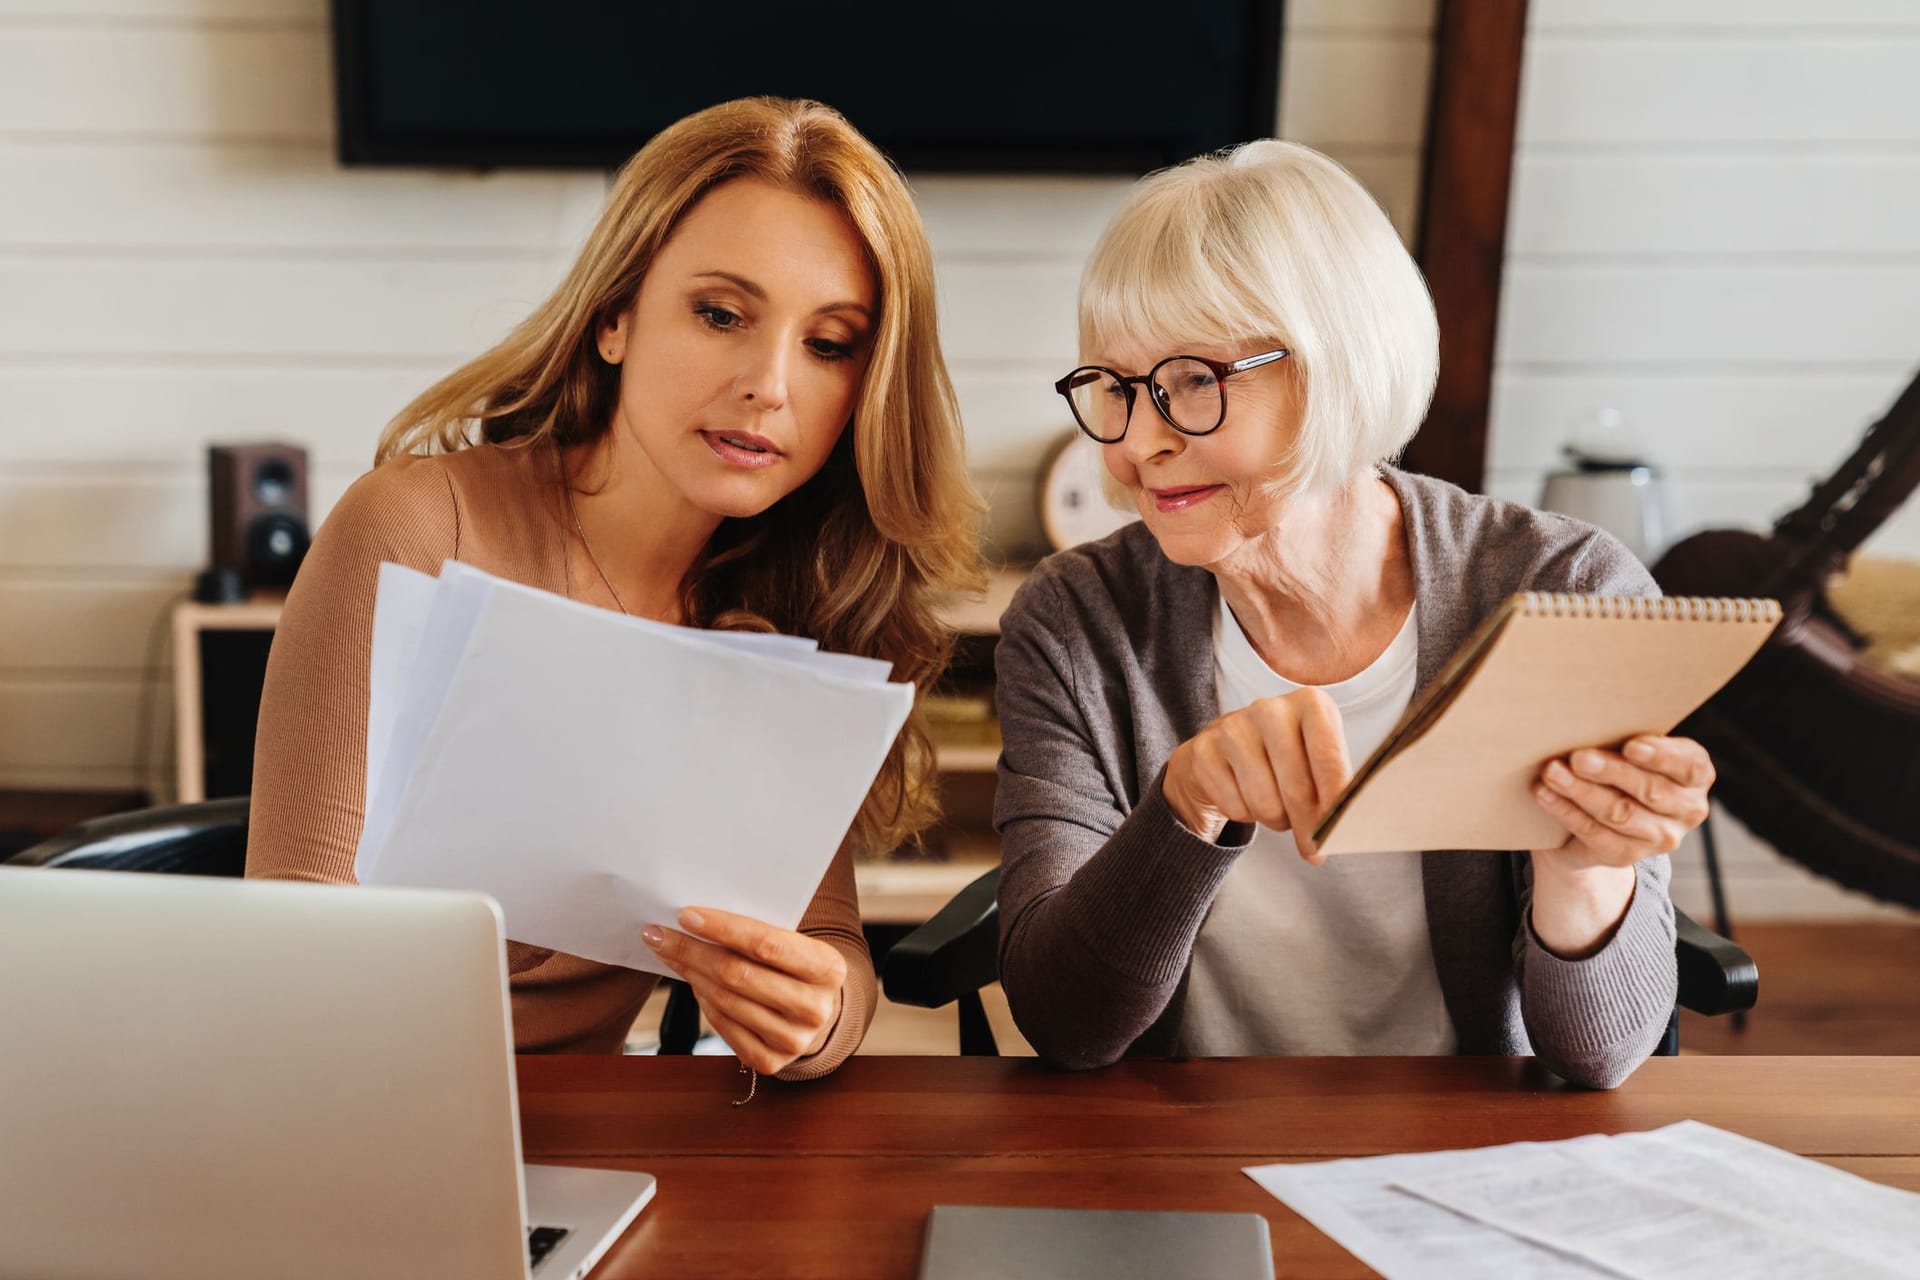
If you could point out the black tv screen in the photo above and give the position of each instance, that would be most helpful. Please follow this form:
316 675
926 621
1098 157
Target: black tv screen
992 86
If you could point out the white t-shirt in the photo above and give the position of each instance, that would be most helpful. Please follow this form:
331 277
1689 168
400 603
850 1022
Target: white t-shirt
1335 959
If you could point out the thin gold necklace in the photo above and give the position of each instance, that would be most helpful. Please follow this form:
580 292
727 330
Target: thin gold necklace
566 486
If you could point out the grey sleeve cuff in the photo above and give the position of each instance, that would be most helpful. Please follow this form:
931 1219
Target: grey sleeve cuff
1593 1020
1142 899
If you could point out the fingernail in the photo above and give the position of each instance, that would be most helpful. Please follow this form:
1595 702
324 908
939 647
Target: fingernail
1545 797
691 919
1640 751
1557 772
1588 761
652 936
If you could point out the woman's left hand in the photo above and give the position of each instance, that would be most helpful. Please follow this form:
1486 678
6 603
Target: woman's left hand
1618 807
772 994
1622 806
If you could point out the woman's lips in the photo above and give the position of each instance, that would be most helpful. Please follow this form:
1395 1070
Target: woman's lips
1179 499
742 448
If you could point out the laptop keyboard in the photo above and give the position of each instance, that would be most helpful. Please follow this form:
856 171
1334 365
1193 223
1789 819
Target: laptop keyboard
541 1241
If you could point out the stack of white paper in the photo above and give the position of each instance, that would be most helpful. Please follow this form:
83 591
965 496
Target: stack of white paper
1688 1200
596 773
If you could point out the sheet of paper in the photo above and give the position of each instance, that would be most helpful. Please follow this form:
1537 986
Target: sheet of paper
402 606
595 773
420 628
1882 1223
420 680
1686 1201
1406 1238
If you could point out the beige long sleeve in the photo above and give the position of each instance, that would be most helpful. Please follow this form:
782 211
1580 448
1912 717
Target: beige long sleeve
489 507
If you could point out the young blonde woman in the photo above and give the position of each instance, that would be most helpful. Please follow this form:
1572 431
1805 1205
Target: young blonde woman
732 413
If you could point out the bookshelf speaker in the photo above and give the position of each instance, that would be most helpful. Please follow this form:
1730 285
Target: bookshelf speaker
258 511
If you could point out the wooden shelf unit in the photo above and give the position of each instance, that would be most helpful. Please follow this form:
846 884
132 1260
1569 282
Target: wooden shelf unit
190 620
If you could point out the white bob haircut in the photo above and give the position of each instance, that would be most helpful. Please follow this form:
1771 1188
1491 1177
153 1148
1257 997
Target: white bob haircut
1269 245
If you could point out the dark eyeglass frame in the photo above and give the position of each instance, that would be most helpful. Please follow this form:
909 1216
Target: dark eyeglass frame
1221 371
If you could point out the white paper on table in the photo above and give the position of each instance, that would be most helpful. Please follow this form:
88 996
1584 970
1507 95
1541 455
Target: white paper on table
1404 1237
596 773
1686 1201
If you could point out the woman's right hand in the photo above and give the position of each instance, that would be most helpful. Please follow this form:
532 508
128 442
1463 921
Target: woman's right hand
1278 762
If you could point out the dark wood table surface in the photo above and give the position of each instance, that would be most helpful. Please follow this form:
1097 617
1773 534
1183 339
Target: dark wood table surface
835 1178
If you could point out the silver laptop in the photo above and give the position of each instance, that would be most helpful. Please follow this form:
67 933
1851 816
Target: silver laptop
208 1077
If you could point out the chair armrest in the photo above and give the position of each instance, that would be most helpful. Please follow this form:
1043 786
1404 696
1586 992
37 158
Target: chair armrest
195 839
1716 976
954 953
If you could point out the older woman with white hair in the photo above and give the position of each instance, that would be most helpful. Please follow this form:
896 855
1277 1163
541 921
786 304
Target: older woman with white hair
1181 701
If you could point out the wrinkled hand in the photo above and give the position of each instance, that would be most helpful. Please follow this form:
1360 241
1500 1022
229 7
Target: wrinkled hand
773 995
1621 806
1279 762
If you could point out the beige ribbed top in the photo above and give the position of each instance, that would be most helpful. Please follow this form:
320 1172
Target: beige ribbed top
498 509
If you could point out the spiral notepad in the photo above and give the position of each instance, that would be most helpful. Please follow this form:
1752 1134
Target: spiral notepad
1545 675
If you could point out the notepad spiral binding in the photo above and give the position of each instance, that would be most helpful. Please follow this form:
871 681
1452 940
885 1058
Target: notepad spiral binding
1665 608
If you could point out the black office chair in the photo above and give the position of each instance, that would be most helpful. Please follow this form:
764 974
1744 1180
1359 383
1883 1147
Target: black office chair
207 839
210 839
952 956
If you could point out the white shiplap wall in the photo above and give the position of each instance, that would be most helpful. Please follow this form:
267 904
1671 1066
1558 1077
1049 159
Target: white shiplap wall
1715 230
182 261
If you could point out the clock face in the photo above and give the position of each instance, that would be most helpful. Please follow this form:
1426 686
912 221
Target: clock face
1074 507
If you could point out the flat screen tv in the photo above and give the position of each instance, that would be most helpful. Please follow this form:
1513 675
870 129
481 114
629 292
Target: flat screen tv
1120 86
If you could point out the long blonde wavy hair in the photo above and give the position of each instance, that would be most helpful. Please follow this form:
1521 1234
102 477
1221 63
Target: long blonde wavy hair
856 555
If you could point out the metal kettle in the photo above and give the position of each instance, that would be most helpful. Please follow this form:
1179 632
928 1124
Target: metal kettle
1623 495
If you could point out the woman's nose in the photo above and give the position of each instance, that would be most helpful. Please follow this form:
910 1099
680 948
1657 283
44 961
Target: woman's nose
1147 432
763 381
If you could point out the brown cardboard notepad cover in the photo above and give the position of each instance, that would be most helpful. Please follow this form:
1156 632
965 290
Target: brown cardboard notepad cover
1545 675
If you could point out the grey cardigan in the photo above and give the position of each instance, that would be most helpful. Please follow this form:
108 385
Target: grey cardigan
1105 665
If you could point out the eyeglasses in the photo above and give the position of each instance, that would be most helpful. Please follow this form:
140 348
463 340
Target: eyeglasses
1189 392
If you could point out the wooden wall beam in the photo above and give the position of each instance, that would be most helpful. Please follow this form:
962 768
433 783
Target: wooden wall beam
1468 170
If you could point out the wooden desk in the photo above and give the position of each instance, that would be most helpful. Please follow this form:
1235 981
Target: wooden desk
835 1178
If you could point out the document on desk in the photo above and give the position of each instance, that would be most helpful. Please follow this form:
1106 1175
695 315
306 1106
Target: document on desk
595 773
1687 1200
1404 1237
1684 1201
